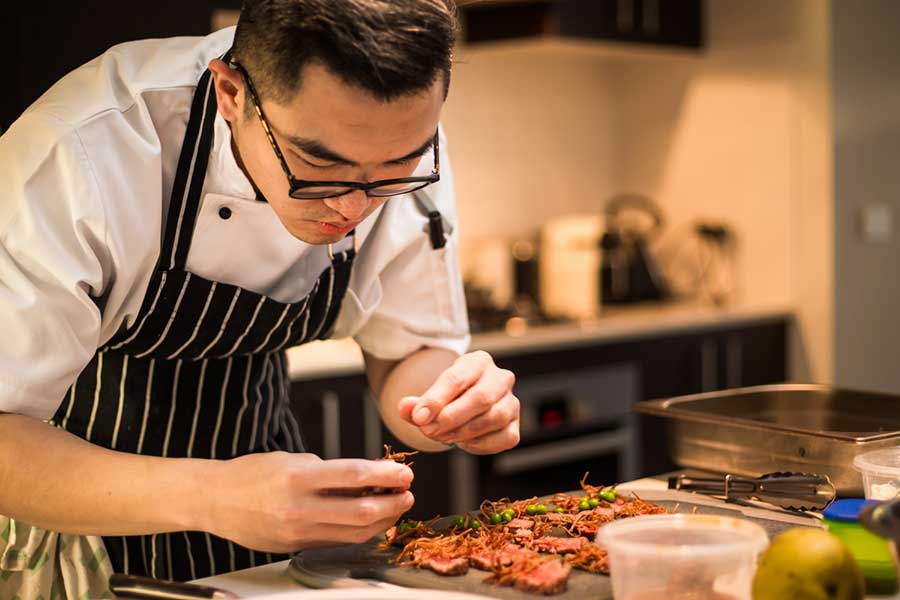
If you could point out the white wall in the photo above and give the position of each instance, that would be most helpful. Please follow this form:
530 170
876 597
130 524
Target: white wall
786 126
814 243
714 138
866 90
533 132
542 128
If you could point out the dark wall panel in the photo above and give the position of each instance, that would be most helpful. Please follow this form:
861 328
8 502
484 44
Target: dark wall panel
46 39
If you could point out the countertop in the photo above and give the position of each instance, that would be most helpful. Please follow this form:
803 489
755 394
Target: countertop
274 578
336 358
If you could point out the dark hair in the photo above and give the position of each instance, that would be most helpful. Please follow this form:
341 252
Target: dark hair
389 48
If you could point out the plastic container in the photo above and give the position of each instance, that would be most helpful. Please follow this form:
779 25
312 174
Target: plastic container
880 473
681 557
871 552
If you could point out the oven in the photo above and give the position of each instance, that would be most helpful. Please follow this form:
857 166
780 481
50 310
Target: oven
571 422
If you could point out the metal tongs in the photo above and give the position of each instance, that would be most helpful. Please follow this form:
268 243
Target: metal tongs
793 491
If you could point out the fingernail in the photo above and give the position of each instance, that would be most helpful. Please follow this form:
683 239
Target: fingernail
421 415
408 501
406 476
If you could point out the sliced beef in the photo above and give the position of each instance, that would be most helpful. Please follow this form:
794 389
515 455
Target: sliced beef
445 565
608 511
588 530
520 524
558 545
482 560
548 578
510 552
523 535
558 517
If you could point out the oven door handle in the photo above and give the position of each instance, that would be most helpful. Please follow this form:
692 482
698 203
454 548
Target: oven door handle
550 454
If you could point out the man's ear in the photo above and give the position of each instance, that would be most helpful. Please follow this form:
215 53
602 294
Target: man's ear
230 94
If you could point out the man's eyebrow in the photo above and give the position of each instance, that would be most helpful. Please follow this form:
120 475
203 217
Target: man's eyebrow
417 153
317 149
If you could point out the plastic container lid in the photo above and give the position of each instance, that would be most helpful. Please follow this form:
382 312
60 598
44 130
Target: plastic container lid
683 536
846 510
884 462
698 553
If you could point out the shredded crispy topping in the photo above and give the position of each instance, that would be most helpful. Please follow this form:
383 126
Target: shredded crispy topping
400 457
510 557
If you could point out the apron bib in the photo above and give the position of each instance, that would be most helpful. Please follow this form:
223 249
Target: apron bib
200 373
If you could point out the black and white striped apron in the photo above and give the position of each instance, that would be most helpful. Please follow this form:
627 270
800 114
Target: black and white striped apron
200 373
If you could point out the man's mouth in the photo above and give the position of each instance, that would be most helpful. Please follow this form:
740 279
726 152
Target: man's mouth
335 228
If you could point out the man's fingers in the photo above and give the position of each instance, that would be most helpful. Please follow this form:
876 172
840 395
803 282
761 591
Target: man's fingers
475 401
347 534
358 473
365 511
406 406
498 417
449 385
497 441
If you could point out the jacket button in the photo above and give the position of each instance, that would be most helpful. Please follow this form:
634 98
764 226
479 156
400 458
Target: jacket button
225 213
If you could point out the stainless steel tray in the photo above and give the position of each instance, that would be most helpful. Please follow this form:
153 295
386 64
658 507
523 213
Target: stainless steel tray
787 427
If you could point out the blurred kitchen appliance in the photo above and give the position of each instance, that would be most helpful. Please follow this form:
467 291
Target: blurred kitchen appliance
491 270
628 272
784 427
526 274
569 264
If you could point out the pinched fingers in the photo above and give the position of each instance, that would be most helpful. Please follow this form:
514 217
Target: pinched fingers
358 473
496 418
348 534
365 511
480 399
464 373
498 441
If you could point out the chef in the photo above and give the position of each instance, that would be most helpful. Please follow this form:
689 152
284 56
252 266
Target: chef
176 213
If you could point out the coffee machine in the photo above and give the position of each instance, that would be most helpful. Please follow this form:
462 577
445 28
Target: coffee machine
628 271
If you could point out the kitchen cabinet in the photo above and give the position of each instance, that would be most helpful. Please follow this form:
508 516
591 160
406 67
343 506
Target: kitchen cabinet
575 411
658 22
44 40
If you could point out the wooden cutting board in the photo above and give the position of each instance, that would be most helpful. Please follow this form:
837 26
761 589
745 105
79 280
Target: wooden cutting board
350 565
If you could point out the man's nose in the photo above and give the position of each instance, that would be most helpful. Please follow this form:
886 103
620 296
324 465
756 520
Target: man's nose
351 206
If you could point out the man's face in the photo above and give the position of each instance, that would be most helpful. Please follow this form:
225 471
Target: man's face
330 131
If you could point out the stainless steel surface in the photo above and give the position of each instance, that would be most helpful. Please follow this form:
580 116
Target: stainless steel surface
134 586
786 427
793 491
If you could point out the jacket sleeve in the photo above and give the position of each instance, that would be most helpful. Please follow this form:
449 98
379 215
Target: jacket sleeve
54 264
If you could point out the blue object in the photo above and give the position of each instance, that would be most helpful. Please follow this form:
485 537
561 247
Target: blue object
847 509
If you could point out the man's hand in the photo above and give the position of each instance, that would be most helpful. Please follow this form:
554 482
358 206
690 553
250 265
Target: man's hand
471 405
281 502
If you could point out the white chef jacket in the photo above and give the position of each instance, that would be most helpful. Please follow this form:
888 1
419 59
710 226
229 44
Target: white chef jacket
86 175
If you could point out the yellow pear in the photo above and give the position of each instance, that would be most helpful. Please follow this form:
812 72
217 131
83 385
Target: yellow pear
805 563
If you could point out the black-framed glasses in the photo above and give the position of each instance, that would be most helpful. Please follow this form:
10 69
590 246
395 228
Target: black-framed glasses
319 190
